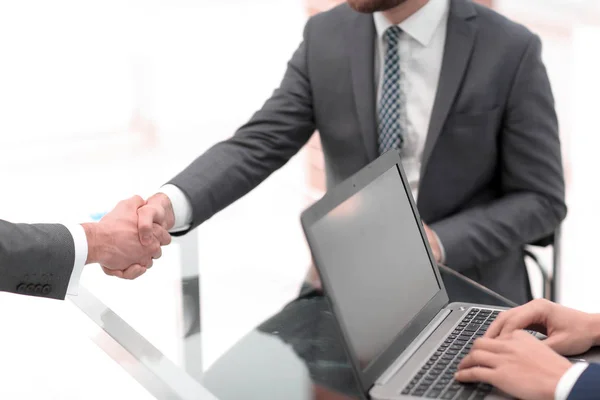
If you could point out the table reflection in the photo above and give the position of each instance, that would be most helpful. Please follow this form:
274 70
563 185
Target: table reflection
297 354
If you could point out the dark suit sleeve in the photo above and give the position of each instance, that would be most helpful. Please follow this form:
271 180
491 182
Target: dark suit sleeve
36 260
273 135
532 199
588 384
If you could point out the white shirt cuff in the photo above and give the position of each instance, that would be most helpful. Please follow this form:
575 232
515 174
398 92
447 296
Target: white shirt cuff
182 208
442 250
568 380
81 253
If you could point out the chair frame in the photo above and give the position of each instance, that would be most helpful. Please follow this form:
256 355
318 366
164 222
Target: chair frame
550 277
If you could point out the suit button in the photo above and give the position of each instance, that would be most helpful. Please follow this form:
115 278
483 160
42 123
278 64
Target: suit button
30 288
38 289
46 289
22 288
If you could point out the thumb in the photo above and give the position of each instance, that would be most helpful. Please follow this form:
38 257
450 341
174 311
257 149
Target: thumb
132 203
559 343
145 224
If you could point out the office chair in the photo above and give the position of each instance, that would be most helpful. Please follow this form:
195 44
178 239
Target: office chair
550 276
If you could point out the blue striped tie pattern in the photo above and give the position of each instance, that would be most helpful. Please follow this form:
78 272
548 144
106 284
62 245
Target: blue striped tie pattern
392 98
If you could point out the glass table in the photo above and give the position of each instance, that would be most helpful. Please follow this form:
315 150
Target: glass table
81 349
150 327
154 371
297 353
294 354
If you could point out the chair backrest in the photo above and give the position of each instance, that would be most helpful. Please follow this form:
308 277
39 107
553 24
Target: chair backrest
550 276
545 242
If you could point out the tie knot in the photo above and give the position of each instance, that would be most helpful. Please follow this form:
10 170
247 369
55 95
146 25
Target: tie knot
392 34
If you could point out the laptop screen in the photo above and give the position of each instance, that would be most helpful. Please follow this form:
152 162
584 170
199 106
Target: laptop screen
371 241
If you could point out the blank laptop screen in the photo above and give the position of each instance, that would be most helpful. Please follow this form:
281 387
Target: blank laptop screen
377 265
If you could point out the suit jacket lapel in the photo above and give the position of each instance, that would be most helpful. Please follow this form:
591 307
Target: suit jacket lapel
460 38
361 48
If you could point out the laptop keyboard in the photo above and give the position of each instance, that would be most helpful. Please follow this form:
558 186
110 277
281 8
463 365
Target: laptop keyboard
435 380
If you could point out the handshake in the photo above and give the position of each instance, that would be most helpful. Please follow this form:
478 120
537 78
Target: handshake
128 239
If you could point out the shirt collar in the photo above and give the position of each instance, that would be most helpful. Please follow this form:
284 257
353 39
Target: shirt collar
422 25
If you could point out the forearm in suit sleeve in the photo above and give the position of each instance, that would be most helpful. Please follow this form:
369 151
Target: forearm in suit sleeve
532 183
588 384
36 259
273 135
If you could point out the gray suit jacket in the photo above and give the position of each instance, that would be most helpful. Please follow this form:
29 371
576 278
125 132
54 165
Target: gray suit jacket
36 260
491 179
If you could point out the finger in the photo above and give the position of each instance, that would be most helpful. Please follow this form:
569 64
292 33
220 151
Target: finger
491 345
134 272
476 374
112 272
518 321
496 327
557 342
157 254
160 233
481 358
531 314
132 203
147 216
522 335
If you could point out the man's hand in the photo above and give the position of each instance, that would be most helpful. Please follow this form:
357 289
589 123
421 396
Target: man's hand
433 243
569 331
158 210
114 241
518 364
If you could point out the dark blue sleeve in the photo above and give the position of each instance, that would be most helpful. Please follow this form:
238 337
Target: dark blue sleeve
588 384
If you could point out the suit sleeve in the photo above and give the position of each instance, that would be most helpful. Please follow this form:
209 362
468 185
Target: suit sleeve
36 259
232 168
532 201
588 384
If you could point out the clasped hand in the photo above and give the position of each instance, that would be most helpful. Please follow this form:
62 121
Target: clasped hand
128 239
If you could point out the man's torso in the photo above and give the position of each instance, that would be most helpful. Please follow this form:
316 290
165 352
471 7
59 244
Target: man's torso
463 150
459 162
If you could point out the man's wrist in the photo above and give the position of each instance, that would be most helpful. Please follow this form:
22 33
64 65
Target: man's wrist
440 248
181 206
568 380
594 327
95 241
164 202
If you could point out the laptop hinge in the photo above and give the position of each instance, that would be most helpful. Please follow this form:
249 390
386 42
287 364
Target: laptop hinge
414 346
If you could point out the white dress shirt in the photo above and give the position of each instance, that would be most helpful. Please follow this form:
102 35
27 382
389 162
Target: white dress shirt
182 209
421 50
568 380
81 253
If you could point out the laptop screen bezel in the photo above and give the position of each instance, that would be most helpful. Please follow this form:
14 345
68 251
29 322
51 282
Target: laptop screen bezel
332 199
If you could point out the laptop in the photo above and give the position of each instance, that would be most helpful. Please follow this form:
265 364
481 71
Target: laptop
402 337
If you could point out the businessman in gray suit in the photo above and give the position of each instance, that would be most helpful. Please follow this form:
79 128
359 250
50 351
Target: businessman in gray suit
461 90
46 260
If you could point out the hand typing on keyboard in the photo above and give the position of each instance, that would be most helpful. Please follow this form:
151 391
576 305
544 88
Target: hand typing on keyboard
516 363
436 378
569 331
